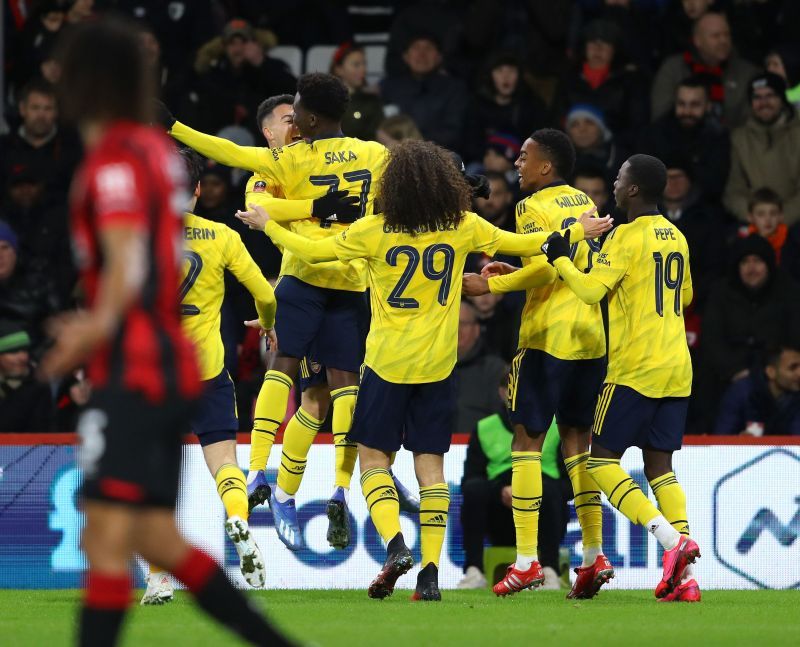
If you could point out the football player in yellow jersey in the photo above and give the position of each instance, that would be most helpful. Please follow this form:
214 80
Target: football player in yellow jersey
644 271
323 304
415 255
559 367
210 248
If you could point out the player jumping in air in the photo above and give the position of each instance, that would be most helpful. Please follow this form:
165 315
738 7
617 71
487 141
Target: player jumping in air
644 271
127 237
322 306
415 252
210 249
559 367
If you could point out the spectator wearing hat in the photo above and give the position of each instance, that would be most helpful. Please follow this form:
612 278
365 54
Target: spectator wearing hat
27 297
764 151
235 75
604 80
500 151
784 61
38 143
593 140
26 405
365 110
700 221
435 101
746 313
712 56
690 132
504 103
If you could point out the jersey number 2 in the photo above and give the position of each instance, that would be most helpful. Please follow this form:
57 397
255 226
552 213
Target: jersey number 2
195 266
669 277
428 270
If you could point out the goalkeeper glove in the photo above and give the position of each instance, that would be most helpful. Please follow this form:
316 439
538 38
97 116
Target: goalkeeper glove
162 115
336 206
556 246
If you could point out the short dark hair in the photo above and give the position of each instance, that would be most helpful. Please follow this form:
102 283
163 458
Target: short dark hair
774 350
592 171
500 177
764 195
649 174
193 164
36 86
558 148
267 106
695 81
104 74
324 95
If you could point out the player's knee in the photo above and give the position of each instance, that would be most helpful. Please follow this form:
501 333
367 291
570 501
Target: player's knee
525 440
315 401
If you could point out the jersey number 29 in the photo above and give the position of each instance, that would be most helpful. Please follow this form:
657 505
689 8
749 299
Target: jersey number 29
428 270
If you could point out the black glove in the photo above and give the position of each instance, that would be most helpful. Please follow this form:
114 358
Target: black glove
162 115
480 185
336 206
556 246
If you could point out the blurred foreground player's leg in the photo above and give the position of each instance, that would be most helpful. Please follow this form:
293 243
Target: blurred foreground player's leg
124 227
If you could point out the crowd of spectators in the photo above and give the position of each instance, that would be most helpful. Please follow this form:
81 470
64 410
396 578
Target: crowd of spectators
711 88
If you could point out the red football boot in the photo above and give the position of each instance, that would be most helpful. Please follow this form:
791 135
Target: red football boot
516 580
591 578
687 591
675 562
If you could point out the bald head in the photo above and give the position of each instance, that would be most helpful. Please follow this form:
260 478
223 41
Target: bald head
712 38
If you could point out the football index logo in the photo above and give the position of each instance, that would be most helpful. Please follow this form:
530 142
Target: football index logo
758 538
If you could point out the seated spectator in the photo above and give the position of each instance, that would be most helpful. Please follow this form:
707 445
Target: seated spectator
79 11
25 403
435 101
394 129
500 152
593 181
37 38
217 200
27 298
604 80
745 314
594 142
236 77
677 24
689 131
498 208
38 143
504 104
712 56
785 62
764 151
766 402
172 80
486 488
365 110
765 215
701 222
476 373
790 258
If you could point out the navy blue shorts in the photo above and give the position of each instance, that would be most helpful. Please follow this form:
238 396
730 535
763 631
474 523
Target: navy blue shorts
541 386
332 323
312 373
419 417
626 418
216 418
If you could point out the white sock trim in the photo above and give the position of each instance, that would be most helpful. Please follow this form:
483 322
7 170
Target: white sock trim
524 562
590 554
663 531
281 496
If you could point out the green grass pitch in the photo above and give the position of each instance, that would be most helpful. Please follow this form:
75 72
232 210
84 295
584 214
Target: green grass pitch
463 618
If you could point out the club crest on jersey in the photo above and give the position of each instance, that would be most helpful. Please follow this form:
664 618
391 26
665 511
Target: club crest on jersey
260 187
316 367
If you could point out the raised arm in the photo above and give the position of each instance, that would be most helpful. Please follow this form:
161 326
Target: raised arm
314 251
536 274
531 244
279 209
586 287
219 149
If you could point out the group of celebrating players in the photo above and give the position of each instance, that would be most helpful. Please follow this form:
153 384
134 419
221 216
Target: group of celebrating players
388 388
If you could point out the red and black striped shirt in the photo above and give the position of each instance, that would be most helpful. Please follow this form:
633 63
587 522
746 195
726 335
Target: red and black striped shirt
134 177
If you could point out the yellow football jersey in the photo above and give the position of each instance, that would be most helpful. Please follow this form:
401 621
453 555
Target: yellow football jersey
415 286
554 319
645 266
307 170
209 249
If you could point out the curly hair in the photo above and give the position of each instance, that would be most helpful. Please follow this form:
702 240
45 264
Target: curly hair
421 189
323 94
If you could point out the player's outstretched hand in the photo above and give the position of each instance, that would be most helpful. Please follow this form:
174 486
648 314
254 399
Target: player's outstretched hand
556 246
336 206
474 285
497 268
269 333
594 227
162 115
255 217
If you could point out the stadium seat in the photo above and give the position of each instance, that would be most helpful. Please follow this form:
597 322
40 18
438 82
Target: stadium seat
376 57
495 561
318 58
291 55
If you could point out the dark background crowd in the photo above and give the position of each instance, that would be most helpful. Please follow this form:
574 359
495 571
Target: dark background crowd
711 88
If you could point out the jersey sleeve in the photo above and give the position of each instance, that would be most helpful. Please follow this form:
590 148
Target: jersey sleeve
611 264
534 275
314 251
585 286
244 268
119 194
279 209
687 291
354 241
